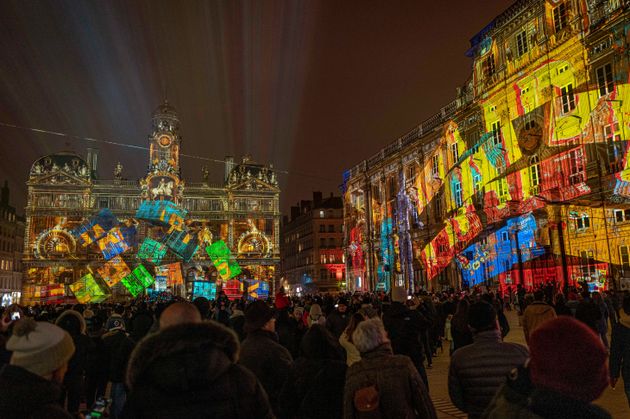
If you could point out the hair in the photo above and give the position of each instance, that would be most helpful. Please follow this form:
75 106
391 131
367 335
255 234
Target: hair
460 318
319 343
369 334
482 317
352 325
203 305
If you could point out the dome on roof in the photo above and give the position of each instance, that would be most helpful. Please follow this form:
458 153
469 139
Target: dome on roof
165 118
64 161
165 109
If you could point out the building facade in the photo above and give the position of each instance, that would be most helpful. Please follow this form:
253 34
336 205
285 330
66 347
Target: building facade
11 242
523 178
64 190
312 246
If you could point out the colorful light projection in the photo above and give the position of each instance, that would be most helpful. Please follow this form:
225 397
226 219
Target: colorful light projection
113 271
172 272
182 243
152 251
113 244
89 290
163 213
95 228
257 290
138 280
204 289
219 253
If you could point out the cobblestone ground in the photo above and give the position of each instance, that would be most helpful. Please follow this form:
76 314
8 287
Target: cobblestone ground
612 400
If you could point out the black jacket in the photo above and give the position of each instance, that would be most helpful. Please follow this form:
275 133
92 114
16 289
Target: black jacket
190 371
337 322
268 360
404 328
26 395
620 352
118 347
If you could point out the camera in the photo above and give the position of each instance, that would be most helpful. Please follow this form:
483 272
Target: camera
100 409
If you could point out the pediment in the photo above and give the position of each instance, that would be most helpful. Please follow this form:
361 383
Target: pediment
59 178
252 184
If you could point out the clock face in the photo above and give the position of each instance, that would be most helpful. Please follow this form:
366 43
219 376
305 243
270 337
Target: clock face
529 138
55 244
165 141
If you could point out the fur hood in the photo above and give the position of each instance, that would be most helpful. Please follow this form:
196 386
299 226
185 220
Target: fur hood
183 356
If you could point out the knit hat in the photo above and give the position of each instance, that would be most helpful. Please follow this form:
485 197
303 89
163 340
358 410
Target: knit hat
39 347
115 323
569 358
399 294
257 315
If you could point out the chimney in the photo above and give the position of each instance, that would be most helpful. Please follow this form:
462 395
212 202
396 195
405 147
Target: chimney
92 160
4 194
317 199
229 165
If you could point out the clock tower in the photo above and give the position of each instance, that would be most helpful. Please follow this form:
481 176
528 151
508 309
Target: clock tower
163 179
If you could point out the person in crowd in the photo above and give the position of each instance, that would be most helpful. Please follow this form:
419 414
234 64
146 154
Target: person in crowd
460 331
203 305
116 318
520 295
96 363
262 354
221 312
561 307
338 320
282 301
31 385
478 370
620 348
536 314
314 386
315 315
588 312
190 370
352 353
179 313
237 319
73 322
382 384
602 322
556 383
118 347
405 328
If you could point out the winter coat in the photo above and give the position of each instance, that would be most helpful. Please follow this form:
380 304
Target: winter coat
536 314
402 393
518 398
190 371
405 328
268 360
237 323
337 322
118 347
314 389
590 314
620 352
26 395
478 370
352 353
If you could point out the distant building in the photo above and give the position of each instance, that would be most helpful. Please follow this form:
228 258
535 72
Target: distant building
64 190
11 247
312 246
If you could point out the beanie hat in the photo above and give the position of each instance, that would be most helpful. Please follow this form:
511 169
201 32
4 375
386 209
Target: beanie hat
568 357
115 323
257 315
482 316
39 347
399 294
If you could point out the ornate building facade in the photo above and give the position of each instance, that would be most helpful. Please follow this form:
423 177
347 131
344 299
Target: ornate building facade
523 179
64 190
11 242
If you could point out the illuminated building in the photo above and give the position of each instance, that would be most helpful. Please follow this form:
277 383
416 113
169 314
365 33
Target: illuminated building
11 242
523 178
311 246
64 190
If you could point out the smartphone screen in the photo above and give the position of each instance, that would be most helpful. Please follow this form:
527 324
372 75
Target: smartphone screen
15 315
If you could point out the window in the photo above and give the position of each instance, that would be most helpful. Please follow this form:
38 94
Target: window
454 153
331 242
624 257
622 215
102 203
322 242
435 166
488 67
331 228
457 192
604 79
568 98
576 167
615 147
582 222
331 258
438 206
521 43
322 228
411 172
392 187
504 236
476 181
496 133
322 258
534 174
322 214
503 190
560 17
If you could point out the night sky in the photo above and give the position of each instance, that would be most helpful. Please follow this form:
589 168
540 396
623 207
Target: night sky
312 86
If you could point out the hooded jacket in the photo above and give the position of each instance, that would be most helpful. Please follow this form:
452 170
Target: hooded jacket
404 328
190 371
27 395
536 314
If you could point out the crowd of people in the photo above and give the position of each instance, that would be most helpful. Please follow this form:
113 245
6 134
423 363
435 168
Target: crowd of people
318 356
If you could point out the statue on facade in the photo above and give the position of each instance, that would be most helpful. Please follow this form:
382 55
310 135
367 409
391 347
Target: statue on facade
205 173
118 171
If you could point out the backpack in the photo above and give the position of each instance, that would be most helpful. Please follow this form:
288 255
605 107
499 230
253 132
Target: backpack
366 402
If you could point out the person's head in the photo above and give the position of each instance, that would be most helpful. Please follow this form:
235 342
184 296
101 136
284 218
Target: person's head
319 343
369 335
352 324
482 317
140 325
399 295
560 300
203 305
586 295
298 312
119 309
72 322
342 305
259 316
41 348
314 314
539 295
462 306
567 357
179 313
